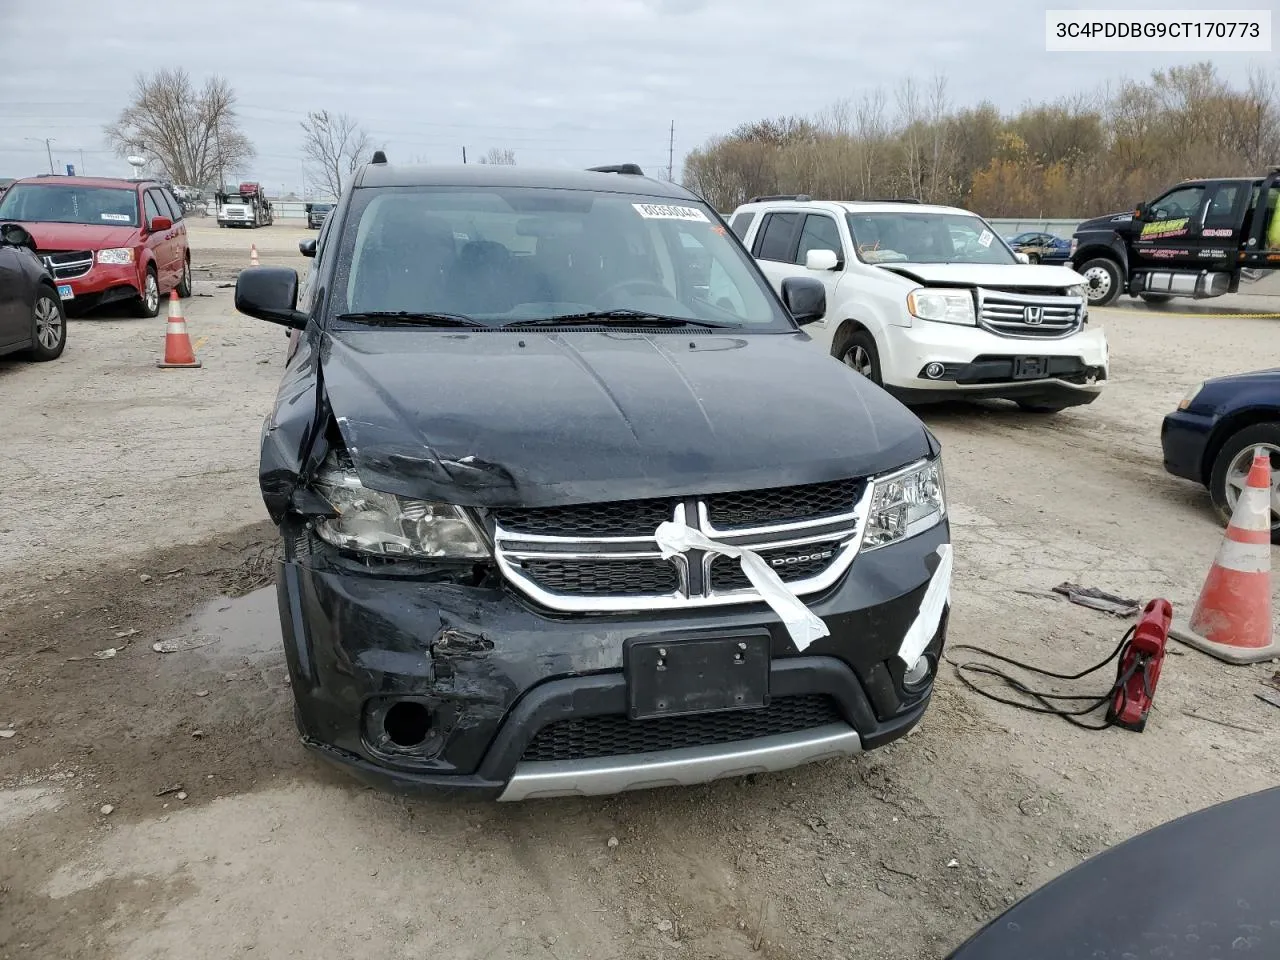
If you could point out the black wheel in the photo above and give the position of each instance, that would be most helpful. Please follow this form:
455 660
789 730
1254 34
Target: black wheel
1103 282
1045 408
184 284
856 349
48 327
1231 469
148 303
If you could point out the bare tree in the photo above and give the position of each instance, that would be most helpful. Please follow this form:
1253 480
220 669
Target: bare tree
193 135
337 144
500 156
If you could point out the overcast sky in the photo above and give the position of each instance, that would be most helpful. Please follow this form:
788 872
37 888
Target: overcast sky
561 82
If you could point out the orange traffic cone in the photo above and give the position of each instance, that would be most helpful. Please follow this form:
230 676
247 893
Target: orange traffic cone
177 345
253 255
1232 618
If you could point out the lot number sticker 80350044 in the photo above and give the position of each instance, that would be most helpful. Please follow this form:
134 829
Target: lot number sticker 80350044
666 211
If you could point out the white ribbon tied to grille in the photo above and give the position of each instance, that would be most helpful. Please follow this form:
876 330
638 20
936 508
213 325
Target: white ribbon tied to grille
801 622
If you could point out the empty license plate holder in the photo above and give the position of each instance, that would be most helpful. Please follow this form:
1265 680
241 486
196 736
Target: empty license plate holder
674 677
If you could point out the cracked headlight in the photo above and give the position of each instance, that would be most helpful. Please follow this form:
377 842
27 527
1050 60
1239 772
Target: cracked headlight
944 306
386 525
905 503
115 255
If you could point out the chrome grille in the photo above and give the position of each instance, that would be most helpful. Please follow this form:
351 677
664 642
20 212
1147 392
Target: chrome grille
1042 317
68 264
604 557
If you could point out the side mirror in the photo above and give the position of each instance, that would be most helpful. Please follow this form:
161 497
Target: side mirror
805 298
271 294
16 235
1022 258
159 224
821 260
307 247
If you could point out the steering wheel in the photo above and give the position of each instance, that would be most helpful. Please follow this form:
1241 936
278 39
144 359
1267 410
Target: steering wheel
641 287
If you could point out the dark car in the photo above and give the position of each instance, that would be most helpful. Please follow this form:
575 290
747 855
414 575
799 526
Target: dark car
1202 886
1042 247
1211 437
316 212
31 314
106 239
518 446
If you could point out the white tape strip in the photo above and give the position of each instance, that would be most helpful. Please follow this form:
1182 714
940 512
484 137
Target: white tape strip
936 598
801 622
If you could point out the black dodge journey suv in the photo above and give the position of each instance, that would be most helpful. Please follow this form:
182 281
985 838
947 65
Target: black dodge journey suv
571 505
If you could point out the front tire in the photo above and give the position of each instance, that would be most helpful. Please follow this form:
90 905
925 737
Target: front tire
1103 281
49 327
184 284
856 349
1231 467
148 303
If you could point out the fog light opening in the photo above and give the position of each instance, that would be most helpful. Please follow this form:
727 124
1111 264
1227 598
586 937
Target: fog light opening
407 723
917 673
934 371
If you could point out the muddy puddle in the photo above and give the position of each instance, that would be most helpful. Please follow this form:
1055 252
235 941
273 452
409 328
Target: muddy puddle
243 627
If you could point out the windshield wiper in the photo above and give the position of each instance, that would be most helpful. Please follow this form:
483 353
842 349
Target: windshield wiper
391 318
634 318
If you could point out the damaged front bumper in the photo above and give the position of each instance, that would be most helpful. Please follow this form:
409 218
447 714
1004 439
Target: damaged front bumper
445 680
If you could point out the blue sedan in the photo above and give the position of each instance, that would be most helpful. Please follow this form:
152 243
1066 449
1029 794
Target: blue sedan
1211 437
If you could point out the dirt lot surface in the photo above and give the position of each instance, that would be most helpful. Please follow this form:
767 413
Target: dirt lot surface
132 515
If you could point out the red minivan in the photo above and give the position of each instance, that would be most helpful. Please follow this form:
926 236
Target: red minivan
105 239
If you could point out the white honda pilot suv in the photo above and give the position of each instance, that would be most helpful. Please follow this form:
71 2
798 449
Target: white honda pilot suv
930 303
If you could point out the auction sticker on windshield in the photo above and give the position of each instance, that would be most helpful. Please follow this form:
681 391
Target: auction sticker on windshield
666 211
116 217
986 238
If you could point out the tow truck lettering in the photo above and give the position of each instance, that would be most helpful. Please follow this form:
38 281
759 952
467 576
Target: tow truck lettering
1213 254
1216 233
1164 228
1161 254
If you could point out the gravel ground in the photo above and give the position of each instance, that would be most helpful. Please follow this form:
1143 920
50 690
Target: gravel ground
133 515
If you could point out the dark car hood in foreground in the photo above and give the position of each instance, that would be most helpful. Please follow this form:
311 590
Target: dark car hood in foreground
1112 221
538 418
1199 887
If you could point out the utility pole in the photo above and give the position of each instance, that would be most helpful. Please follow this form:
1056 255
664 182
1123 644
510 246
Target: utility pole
82 171
47 149
217 149
671 151
464 154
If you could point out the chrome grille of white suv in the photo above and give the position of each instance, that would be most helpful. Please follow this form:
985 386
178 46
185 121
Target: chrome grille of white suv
1038 316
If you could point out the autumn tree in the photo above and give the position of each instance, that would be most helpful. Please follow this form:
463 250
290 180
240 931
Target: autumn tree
193 135
337 145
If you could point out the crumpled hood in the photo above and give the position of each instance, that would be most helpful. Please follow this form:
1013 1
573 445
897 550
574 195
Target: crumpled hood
537 419
79 236
1003 275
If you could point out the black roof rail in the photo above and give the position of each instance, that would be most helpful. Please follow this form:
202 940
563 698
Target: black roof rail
379 157
801 197
631 169
887 200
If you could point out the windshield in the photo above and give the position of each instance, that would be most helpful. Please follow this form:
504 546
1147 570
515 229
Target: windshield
503 254
926 238
59 203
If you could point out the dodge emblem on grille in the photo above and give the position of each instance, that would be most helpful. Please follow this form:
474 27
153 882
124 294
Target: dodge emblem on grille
1033 315
803 558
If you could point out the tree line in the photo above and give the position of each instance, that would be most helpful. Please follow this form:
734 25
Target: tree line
1082 155
193 135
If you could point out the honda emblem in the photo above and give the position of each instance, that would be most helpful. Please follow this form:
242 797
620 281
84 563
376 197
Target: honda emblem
1033 315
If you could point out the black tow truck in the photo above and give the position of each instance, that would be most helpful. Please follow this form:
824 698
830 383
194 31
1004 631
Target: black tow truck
1199 239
